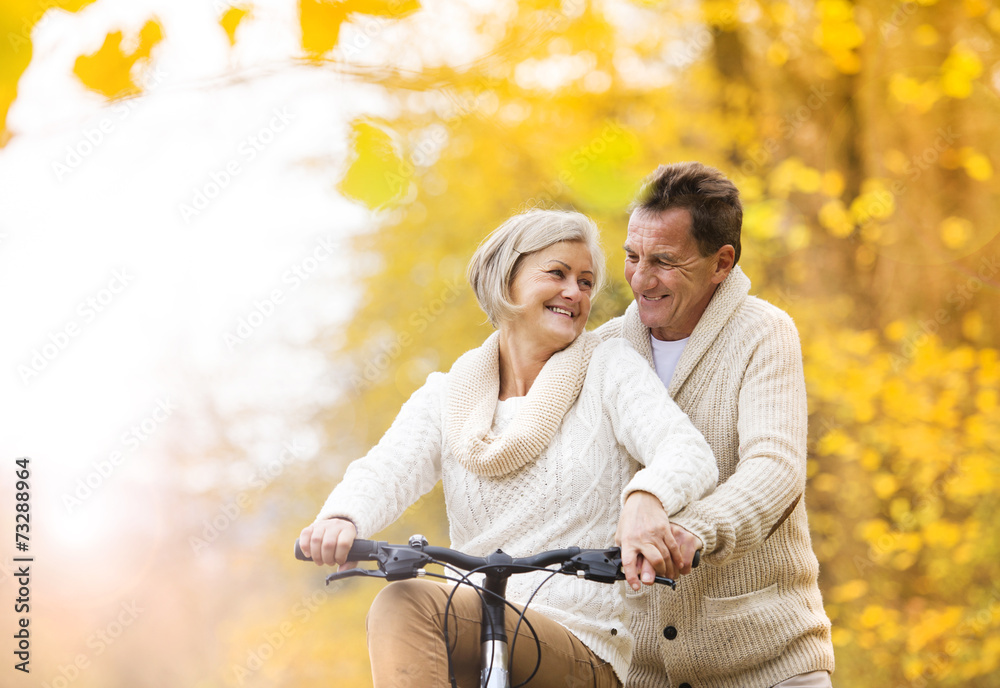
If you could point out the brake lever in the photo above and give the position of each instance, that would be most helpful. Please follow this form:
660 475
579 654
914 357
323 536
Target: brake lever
350 573
605 566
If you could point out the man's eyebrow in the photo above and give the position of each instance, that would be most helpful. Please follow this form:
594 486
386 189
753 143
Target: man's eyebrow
669 258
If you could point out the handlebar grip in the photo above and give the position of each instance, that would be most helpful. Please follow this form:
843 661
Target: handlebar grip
361 550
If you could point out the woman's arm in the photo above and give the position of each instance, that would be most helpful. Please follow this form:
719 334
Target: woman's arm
378 488
679 465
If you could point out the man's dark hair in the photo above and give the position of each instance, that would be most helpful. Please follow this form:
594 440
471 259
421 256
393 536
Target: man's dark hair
712 200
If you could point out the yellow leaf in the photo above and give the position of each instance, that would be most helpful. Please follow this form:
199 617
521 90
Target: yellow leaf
972 325
849 591
833 183
885 485
777 53
956 232
872 616
978 166
320 22
834 217
841 636
976 8
895 330
109 70
231 21
942 534
925 35
377 176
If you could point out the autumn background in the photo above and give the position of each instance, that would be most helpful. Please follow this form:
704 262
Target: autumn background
232 242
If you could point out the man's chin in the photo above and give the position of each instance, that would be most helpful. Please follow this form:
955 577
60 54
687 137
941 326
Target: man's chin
650 315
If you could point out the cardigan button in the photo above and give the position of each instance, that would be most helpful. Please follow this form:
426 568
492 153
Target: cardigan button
614 631
670 633
684 685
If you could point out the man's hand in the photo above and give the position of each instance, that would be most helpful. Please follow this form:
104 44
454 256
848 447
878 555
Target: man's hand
651 545
688 543
648 545
328 542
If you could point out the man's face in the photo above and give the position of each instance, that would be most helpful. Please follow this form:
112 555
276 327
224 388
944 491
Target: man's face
671 280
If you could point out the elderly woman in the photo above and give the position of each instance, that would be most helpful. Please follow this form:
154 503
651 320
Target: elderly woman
535 436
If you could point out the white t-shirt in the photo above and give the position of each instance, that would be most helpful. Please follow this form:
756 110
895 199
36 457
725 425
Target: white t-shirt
665 357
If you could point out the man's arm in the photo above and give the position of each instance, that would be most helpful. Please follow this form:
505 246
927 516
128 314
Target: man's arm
770 477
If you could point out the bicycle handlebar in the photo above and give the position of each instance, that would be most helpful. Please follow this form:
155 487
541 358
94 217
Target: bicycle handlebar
399 562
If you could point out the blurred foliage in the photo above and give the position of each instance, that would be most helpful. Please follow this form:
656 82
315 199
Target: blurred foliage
109 71
17 20
231 20
865 137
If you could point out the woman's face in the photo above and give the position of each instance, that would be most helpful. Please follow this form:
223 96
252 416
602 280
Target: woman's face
553 287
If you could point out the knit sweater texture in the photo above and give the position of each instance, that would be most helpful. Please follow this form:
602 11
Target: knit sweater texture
752 614
569 495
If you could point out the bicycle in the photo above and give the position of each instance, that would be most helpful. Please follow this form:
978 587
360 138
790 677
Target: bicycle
401 562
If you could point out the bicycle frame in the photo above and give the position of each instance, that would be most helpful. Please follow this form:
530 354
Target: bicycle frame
400 562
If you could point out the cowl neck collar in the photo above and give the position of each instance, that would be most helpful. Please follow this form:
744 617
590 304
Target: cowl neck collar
474 388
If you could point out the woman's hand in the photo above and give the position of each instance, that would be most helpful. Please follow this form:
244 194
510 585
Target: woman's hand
647 541
328 542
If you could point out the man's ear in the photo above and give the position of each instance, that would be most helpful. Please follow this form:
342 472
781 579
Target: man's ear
725 259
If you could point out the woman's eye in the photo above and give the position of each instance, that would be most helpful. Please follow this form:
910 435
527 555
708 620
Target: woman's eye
557 273
587 283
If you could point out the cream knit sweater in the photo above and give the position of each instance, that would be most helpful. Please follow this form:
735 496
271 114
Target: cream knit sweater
752 614
570 495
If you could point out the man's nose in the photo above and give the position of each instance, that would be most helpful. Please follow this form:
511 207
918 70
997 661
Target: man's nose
642 277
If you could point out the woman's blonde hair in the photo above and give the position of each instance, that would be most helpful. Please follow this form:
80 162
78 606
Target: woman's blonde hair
497 260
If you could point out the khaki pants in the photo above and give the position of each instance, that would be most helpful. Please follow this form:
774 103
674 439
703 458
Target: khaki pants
406 643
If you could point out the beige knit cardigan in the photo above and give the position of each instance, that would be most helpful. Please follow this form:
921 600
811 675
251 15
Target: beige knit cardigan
752 614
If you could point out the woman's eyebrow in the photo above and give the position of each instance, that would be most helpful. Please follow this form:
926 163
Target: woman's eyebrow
556 260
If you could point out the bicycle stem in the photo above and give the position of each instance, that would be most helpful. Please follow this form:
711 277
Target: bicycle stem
495 663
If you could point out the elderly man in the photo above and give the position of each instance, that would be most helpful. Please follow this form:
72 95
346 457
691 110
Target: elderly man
751 616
